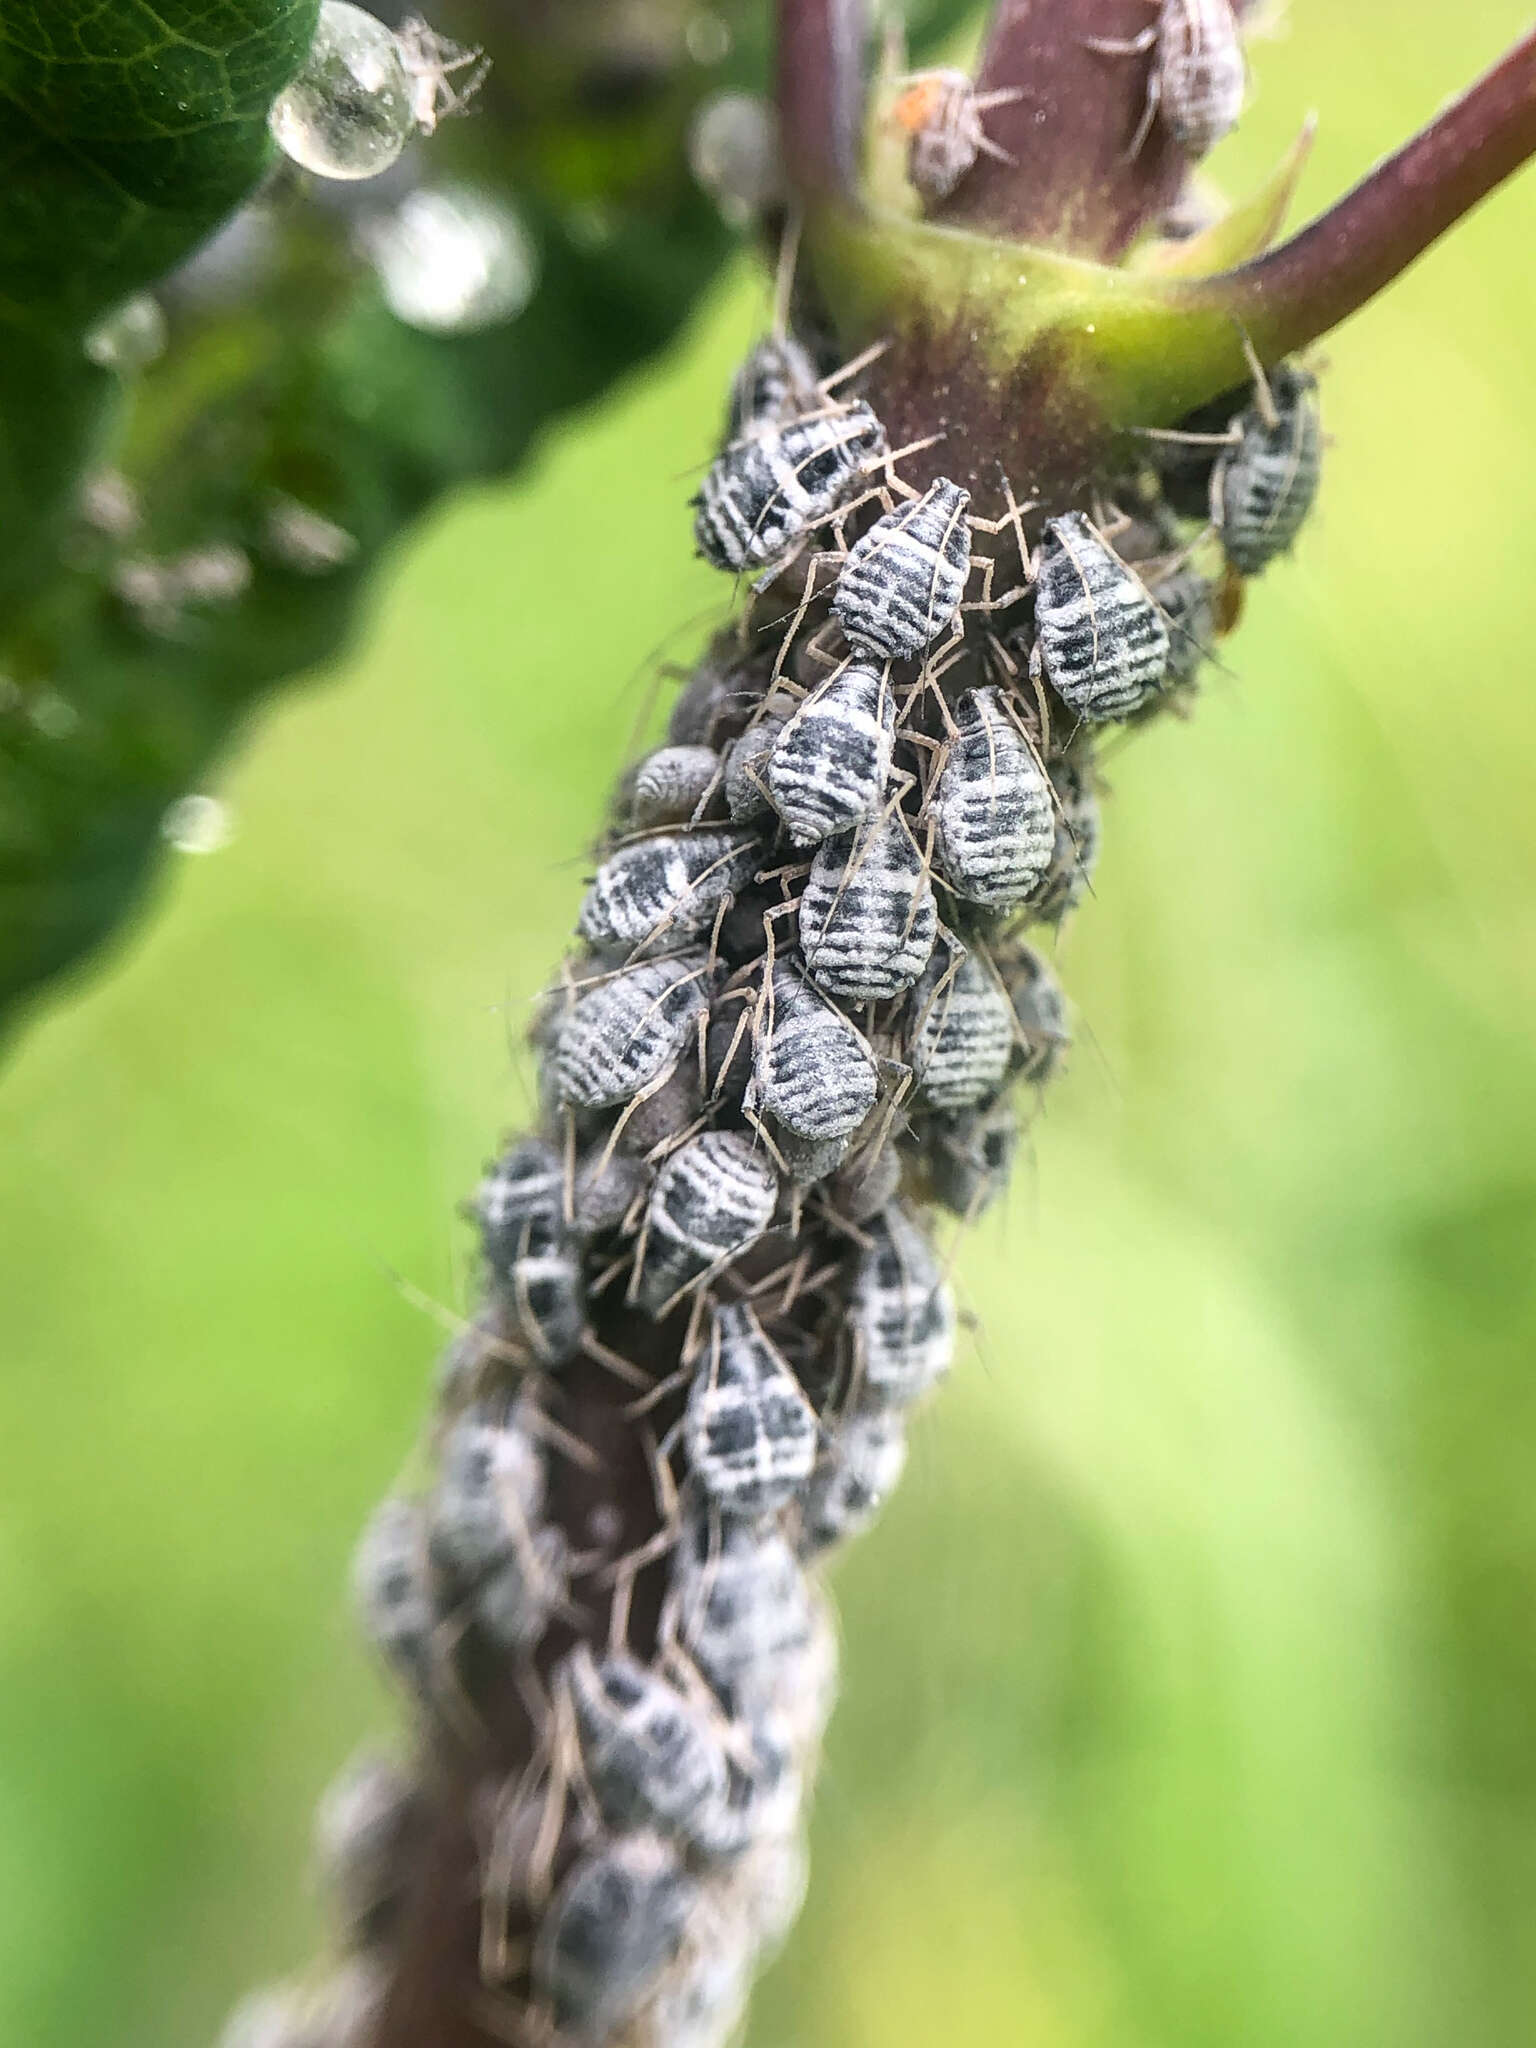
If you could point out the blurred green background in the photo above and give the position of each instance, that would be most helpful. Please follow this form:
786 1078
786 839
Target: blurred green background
1191 1679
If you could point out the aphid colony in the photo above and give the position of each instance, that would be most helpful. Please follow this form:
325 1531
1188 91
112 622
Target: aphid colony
809 996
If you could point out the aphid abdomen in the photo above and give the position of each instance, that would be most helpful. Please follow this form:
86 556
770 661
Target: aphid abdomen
392 1588
903 581
1040 1014
761 494
366 1828
649 1756
536 1274
712 1198
614 1926
749 1430
742 1609
670 784
1202 78
777 380
489 1496
902 1312
1185 598
1075 852
992 808
867 915
971 1156
1099 636
747 757
962 1033
666 887
857 1472
629 1030
813 1070
1263 489
829 766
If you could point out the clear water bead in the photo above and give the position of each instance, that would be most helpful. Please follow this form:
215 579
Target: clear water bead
348 113
733 152
452 261
131 336
197 824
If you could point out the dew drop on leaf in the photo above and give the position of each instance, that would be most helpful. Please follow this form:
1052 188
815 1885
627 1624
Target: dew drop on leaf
452 261
347 114
131 336
197 824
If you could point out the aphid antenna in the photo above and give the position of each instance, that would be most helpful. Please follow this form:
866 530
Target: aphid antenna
1264 396
784 270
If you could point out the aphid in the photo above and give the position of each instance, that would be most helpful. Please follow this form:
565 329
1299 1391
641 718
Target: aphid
1198 77
513 1603
1185 598
1262 488
941 112
740 1607
490 1493
962 1029
1075 852
431 63
612 1929
830 764
856 1474
1098 635
702 2002
870 1180
750 1432
718 684
666 1113
994 820
537 1277
713 1197
747 757
777 381
867 915
627 1031
666 887
903 580
649 1755
970 1156
392 1590
767 490
812 1068
366 1824
771 1885
670 785
606 1186
764 1794
902 1312
1040 1011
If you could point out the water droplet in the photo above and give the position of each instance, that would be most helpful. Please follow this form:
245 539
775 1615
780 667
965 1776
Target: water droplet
110 503
213 575
707 37
197 824
53 716
733 150
348 113
132 335
452 261
305 540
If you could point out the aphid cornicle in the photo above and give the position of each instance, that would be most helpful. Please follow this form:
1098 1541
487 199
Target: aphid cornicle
749 1430
1263 487
611 1930
902 1313
903 580
628 1030
740 1607
392 1590
970 1155
856 1474
829 766
867 915
941 112
994 819
712 1198
1098 636
1200 77
648 1754
763 493
962 1032
812 1069
777 380
666 887
671 783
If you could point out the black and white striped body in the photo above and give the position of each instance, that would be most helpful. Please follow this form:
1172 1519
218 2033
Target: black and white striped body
533 1268
1098 635
393 1591
971 1156
764 492
856 1473
740 1606
812 1070
749 1431
1075 851
629 1030
867 915
715 1196
992 809
610 1933
830 764
670 784
902 1313
1201 76
666 887
1263 489
1041 1036
489 1494
962 1028
777 381
649 1755
903 581
1185 598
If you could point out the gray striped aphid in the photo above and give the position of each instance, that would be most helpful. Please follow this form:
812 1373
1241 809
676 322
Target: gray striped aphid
713 1197
649 1755
629 1030
867 915
812 1070
970 1156
765 492
739 1605
902 583
612 1929
962 1032
777 381
829 766
1075 852
1198 79
667 886
1187 603
670 784
747 756
1041 1036
1098 636
703 2000
941 112
992 808
392 1590
490 1492
902 1313
749 1430
856 1474
1263 487
365 1827
607 1184
537 1276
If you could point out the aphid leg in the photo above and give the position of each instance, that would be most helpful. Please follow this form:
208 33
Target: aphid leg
1263 396
627 1374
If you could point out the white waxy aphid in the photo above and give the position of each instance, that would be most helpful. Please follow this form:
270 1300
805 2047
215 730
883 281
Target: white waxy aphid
364 1829
1199 78
902 1312
867 915
962 1032
1041 1036
670 784
703 1998
830 764
994 819
970 1156
537 1276
777 381
749 1430
763 493
451 259
1187 603
612 1930
1098 635
347 113
392 1588
740 1607
1262 489
666 887
513 1603
1075 853
444 76
490 1492
607 1184
713 1198
812 1069
941 112
902 583
748 755
649 1754
627 1031
857 1472
765 1793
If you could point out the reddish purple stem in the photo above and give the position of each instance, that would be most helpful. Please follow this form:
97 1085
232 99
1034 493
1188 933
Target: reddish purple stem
821 92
